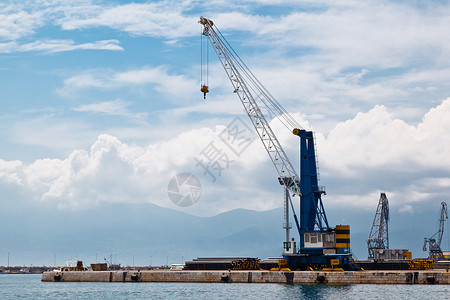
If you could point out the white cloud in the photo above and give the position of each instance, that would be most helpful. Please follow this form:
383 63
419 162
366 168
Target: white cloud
387 61
369 33
110 171
53 46
114 171
116 107
16 23
57 134
407 209
340 57
20 21
345 58
378 140
159 19
10 171
86 80
177 87
218 106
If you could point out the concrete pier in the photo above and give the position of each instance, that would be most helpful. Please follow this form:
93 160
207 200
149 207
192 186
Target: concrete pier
261 276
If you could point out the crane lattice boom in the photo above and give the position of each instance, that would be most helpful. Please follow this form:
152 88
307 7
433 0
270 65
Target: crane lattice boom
249 90
435 240
379 233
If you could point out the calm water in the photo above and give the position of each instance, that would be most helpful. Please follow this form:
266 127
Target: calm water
30 287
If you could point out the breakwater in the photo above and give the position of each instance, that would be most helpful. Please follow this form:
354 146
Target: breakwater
261 276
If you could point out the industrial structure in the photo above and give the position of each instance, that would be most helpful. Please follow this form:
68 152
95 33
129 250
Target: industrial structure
434 242
381 257
320 246
379 232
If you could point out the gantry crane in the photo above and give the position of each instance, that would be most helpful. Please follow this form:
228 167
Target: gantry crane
379 233
320 245
434 242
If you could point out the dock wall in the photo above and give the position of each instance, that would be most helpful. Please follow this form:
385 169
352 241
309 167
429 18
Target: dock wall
295 277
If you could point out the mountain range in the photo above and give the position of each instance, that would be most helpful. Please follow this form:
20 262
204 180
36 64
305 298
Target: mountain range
144 234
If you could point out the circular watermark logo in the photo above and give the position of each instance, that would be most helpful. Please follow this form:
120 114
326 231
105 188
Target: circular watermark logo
184 189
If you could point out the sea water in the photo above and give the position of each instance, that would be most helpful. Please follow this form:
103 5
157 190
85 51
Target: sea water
29 286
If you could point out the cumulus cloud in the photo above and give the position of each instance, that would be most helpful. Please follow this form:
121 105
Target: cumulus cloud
113 171
376 139
375 151
110 171
11 172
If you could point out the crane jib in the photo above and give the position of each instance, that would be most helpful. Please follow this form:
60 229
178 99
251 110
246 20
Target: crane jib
245 89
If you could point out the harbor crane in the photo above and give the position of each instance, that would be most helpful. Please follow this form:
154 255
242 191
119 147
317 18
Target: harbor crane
434 242
320 245
379 233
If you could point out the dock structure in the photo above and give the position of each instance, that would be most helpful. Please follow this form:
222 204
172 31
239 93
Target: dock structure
254 276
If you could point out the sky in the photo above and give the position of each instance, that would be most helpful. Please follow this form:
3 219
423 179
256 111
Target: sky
101 102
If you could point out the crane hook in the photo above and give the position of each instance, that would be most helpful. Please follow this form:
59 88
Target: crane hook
204 90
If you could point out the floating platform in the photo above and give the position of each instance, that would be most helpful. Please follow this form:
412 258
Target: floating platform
257 276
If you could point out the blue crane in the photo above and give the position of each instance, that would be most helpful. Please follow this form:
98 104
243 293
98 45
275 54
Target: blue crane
320 245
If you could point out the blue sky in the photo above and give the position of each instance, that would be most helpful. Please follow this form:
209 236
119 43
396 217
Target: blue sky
101 101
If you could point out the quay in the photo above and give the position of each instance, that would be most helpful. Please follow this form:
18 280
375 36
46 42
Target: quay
254 276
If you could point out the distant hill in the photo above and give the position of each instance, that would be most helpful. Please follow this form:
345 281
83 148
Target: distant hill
145 231
160 235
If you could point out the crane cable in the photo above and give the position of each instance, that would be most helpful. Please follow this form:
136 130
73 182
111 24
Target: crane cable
201 56
204 57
